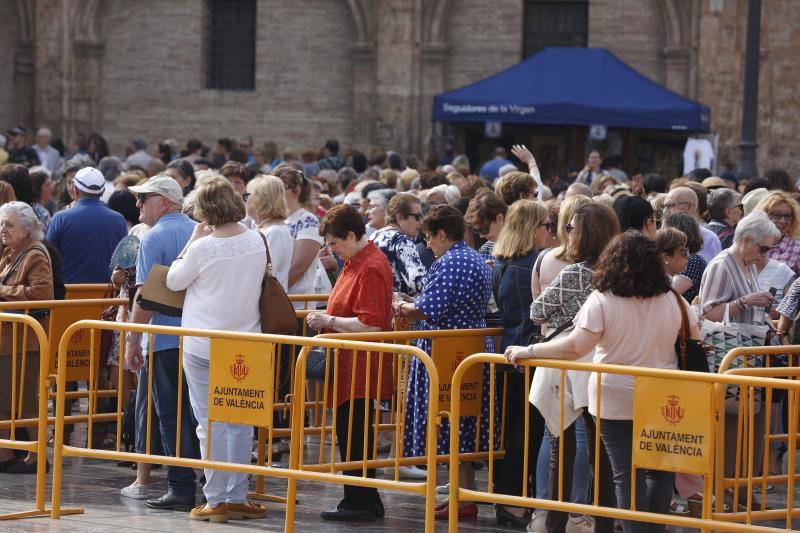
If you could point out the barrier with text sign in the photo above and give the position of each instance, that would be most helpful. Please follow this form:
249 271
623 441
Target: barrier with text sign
674 428
238 393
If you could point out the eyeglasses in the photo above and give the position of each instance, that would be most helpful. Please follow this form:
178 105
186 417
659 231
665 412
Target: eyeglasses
482 230
673 205
739 206
246 195
415 216
776 216
144 197
765 249
568 228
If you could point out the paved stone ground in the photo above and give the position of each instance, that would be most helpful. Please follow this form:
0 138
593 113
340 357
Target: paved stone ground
95 486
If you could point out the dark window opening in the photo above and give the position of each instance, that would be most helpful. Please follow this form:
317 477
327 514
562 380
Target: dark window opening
554 23
230 51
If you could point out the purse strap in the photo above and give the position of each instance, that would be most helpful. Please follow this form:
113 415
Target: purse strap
684 333
19 260
266 247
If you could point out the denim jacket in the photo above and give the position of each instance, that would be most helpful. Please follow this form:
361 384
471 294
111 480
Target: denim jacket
512 292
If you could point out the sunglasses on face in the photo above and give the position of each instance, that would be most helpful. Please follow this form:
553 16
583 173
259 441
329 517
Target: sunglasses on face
482 230
415 216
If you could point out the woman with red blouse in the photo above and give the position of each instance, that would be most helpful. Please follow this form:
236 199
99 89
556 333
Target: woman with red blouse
361 301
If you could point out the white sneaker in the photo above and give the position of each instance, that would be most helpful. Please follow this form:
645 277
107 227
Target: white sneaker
580 524
443 489
135 491
537 523
412 472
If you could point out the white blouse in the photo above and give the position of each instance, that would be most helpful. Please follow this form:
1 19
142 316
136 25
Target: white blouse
281 248
222 278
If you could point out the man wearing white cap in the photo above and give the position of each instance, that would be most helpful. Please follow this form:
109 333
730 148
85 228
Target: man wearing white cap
160 201
87 234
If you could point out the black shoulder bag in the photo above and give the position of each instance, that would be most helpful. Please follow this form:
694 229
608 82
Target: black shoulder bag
692 355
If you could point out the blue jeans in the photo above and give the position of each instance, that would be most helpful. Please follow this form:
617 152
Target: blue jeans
141 416
580 474
181 481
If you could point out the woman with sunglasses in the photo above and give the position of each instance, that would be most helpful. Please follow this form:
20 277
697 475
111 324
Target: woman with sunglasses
485 215
784 212
687 282
589 230
731 280
671 243
525 232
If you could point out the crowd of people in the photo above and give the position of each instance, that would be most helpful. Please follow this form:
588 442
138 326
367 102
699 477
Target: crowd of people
564 268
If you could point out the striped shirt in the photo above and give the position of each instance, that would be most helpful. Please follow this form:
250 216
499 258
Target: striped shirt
723 282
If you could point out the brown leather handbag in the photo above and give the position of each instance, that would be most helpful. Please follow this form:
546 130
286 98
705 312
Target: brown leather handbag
277 313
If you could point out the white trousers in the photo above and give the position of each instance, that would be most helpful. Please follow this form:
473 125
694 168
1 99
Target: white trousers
230 443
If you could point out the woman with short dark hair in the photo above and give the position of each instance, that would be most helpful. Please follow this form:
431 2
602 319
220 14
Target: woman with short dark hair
361 301
636 213
630 282
454 296
485 215
182 171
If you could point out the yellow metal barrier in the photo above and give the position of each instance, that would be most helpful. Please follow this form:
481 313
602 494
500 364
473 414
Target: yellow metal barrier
20 326
744 433
61 450
675 459
86 291
369 358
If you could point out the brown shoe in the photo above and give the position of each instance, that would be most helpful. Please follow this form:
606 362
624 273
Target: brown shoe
206 513
242 511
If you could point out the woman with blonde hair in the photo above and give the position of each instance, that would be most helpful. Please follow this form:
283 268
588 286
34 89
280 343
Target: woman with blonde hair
550 262
784 212
524 233
266 205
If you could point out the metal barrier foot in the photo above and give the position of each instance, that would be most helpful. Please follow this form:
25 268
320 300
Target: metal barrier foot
266 497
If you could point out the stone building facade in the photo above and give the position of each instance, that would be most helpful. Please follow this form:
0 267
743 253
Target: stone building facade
364 71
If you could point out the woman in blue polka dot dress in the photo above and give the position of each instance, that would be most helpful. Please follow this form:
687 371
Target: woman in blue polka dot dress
454 296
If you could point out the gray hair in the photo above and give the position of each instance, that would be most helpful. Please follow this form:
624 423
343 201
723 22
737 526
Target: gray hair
718 201
75 163
505 169
381 196
110 166
757 226
27 218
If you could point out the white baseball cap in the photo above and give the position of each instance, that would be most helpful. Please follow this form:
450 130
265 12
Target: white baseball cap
90 180
163 185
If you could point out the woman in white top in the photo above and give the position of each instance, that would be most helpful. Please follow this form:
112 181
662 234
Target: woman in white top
304 229
266 205
631 286
221 268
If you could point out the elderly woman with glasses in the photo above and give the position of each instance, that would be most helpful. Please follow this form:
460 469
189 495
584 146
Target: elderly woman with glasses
784 212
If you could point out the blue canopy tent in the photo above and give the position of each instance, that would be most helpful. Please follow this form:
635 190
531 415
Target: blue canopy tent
572 86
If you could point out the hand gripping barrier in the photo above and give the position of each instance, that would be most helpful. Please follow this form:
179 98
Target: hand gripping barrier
674 430
256 352
745 435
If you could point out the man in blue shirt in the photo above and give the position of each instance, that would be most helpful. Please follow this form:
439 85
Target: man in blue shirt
160 200
87 234
491 169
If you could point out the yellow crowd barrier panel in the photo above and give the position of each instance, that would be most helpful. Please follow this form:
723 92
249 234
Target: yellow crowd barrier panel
86 291
674 429
745 436
258 351
448 349
355 372
23 396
